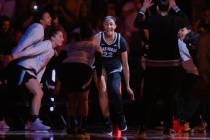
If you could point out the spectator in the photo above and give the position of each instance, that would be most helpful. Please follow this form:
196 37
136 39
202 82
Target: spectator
162 61
75 75
26 72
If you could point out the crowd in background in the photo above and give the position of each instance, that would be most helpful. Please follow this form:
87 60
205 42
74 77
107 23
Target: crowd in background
69 15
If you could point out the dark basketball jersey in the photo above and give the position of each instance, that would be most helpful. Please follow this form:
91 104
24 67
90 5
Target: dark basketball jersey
112 53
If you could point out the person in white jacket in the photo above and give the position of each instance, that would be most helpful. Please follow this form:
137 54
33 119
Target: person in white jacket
27 69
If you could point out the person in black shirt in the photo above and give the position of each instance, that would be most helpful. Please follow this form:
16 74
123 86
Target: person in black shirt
6 44
162 60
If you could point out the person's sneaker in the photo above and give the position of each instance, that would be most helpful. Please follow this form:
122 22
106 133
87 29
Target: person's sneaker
38 125
122 124
186 127
176 126
28 125
3 125
108 130
201 128
168 131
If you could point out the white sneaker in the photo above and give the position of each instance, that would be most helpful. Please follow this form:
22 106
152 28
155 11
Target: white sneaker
3 125
38 125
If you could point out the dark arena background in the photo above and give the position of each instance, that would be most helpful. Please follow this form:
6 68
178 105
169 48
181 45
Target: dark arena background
16 16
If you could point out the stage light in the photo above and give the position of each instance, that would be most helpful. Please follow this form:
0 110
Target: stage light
51 109
52 99
35 7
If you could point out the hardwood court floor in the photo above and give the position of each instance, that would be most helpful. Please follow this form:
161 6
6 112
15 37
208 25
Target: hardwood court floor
95 134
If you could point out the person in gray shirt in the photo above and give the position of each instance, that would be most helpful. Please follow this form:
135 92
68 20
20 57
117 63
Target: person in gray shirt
26 70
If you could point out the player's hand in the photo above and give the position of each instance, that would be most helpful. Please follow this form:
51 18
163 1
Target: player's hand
172 3
147 4
131 94
6 59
